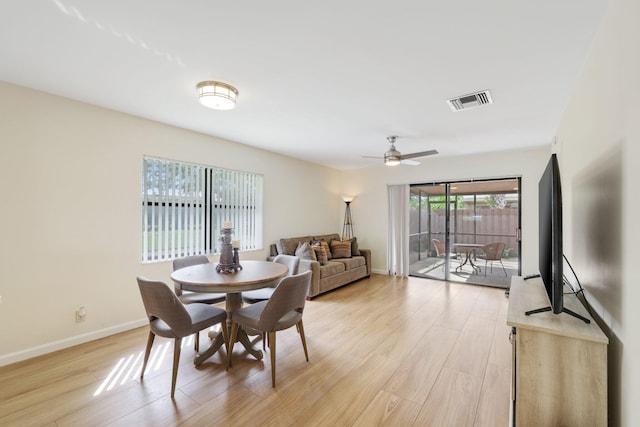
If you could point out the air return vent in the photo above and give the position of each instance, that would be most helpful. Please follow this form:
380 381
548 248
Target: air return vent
471 100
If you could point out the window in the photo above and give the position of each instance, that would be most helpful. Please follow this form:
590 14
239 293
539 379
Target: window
185 205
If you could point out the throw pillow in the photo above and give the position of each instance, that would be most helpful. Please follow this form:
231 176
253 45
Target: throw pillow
327 248
325 245
354 247
304 251
341 248
321 253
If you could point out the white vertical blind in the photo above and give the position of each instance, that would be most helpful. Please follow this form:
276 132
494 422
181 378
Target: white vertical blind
237 197
184 207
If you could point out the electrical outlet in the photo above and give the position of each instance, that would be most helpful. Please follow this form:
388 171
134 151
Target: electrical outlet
81 313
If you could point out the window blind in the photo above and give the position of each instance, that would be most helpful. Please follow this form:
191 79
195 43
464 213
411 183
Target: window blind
184 207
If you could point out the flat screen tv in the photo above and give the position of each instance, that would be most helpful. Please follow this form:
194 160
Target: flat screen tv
551 258
550 234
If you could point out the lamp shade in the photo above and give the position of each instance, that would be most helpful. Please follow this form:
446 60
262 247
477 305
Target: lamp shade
217 95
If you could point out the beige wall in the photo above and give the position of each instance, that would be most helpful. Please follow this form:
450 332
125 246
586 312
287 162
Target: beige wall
369 208
599 151
70 185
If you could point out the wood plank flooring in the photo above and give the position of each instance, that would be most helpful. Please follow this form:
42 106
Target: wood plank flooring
383 351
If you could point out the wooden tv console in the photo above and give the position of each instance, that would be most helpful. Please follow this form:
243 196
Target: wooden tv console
559 362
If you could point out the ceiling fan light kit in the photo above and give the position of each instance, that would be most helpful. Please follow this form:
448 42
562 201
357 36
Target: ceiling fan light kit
392 157
217 95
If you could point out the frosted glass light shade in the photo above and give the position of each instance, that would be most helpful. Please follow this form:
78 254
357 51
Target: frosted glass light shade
217 95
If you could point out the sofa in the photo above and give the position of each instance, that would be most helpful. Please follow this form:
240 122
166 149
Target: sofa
348 266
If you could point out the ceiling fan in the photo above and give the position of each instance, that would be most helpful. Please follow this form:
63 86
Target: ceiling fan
393 157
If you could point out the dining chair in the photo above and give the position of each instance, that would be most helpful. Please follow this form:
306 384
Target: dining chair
283 310
198 297
492 253
170 318
292 262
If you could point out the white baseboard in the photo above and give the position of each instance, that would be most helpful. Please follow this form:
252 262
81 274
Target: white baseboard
19 356
379 271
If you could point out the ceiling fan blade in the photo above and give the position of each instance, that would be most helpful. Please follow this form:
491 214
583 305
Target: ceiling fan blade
372 157
420 154
409 162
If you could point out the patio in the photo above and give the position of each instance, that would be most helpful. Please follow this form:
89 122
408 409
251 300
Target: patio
449 215
433 268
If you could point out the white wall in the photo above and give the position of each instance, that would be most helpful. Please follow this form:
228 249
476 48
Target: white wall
599 152
369 208
71 213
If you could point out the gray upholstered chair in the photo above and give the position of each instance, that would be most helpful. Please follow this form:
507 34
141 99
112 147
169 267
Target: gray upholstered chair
492 253
169 318
292 262
283 310
190 297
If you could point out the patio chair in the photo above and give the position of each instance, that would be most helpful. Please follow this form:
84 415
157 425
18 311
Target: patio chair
441 251
493 253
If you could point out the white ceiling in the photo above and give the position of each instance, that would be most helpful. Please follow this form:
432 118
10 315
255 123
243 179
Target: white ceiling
325 81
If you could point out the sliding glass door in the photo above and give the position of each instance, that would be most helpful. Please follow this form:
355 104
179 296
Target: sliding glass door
466 231
428 225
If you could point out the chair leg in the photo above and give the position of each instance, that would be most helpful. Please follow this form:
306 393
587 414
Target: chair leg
176 363
196 341
503 269
232 340
147 352
302 338
272 350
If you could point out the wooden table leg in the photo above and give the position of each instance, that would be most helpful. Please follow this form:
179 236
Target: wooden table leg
233 302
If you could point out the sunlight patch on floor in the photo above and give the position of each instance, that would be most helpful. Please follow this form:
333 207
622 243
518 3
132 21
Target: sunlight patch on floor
129 368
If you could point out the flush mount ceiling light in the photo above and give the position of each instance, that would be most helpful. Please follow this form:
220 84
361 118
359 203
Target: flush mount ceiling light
217 95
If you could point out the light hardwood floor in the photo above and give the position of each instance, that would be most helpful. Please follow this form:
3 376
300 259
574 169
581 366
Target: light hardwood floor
383 351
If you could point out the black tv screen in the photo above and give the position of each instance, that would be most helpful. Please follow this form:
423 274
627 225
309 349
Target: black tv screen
550 233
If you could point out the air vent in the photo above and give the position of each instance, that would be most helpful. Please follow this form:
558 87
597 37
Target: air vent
471 100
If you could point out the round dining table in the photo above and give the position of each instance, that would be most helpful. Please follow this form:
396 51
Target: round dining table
205 278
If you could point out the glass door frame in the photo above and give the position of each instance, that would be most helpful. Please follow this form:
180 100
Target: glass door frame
450 213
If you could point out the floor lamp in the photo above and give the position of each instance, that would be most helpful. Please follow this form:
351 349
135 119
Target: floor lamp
347 227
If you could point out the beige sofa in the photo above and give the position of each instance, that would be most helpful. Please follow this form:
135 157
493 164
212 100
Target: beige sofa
337 271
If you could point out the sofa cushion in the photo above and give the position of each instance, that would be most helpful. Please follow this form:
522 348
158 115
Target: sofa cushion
351 263
304 251
327 237
331 268
340 248
354 247
288 246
